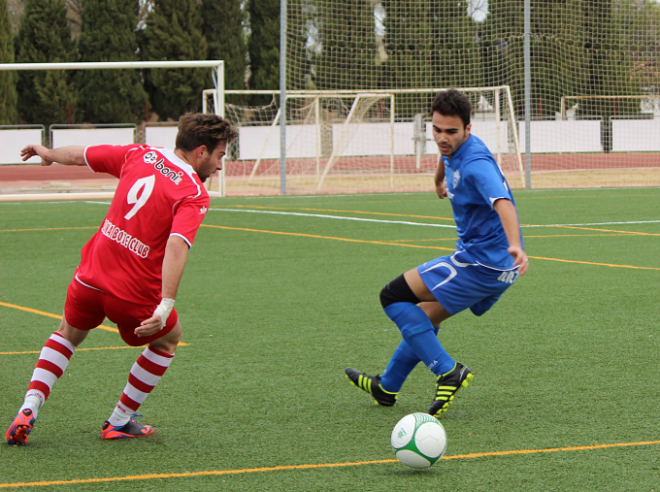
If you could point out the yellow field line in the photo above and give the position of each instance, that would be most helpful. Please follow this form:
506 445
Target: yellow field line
51 315
607 230
613 265
577 196
298 234
526 237
206 473
48 229
345 211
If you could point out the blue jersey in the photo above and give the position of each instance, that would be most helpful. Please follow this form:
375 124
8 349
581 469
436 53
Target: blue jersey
474 183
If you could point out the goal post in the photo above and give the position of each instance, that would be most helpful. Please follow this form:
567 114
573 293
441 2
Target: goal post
217 74
355 141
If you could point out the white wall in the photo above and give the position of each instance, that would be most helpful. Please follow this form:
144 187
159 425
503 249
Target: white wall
360 139
300 142
635 135
561 136
161 136
92 136
12 141
372 139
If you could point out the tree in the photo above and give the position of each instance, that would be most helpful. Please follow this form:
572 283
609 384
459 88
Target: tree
607 67
7 79
45 37
348 51
264 47
15 13
429 44
108 34
173 33
222 26
555 52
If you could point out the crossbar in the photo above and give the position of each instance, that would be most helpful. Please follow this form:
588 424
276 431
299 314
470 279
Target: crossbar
112 65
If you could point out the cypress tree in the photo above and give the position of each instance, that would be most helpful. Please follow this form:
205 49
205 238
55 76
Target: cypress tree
639 23
264 47
7 79
348 58
606 68
429 44
556 53
108 34
222 26
45 37
301 16
173 33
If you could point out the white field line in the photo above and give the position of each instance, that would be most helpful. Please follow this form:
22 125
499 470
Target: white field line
597 223
419 223
630 222
331 217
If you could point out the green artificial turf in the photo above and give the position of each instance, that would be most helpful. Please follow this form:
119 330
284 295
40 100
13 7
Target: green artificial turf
275 306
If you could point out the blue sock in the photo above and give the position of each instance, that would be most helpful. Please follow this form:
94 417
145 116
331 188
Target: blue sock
400 366
418 333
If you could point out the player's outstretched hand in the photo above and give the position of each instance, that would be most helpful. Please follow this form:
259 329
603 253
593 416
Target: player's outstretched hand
32 150
441 189
149 326
520 258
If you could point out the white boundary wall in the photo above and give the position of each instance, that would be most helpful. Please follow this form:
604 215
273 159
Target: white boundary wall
365 139
92 136
562 136
300 142
635 135
13 140
161 136
370 139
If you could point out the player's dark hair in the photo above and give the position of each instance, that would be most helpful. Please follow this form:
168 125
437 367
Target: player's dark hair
197 129
453 103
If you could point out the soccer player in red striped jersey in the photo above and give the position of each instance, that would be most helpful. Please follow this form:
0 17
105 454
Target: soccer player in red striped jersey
131 268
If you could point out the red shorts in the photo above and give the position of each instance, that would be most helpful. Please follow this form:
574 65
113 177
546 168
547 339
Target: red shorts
86 308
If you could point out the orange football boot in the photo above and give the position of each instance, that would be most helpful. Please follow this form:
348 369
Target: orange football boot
128 430
20 428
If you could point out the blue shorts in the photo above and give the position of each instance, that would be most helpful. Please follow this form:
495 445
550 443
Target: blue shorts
458 285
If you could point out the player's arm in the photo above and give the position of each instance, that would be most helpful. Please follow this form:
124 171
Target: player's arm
69 156
509 217
440 184
176 255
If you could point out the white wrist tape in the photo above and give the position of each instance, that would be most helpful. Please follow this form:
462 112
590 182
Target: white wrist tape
164 309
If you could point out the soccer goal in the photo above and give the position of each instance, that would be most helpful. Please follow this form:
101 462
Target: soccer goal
84 187
354 141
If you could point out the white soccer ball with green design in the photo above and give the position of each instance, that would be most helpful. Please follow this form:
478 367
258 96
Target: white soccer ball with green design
419 440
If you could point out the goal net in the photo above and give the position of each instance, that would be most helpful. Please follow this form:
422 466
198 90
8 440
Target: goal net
600 57
351 142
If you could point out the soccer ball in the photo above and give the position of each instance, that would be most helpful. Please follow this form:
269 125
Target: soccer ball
419 440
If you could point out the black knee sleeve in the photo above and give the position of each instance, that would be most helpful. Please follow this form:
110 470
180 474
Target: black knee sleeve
397 291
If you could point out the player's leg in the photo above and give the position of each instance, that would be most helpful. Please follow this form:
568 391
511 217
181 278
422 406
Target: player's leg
143 378
81 308
404 359
385 389
419 335
415 325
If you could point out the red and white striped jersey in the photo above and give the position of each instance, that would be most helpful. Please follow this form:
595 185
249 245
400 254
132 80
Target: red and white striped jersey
158 195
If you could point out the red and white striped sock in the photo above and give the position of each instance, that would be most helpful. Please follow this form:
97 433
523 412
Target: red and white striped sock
144 376
53 361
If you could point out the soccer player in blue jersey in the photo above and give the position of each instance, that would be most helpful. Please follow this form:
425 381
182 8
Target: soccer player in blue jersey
489 257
